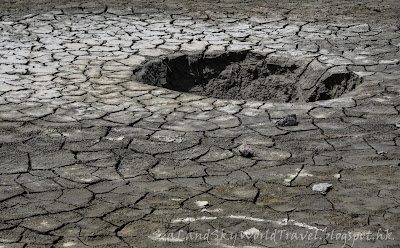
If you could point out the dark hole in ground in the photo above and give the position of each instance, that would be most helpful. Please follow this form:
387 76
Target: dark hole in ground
250 76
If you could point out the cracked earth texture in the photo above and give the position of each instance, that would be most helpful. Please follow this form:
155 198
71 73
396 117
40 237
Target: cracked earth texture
91 158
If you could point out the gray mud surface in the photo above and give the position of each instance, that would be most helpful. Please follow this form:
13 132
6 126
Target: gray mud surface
91 157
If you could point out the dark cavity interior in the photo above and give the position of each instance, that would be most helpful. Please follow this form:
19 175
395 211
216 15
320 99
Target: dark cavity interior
250 76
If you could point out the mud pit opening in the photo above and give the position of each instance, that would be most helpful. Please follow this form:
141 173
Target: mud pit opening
249 76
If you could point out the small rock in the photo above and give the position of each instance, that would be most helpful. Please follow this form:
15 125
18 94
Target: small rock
382 153
322 187
202 203
245 151
251 231
289 120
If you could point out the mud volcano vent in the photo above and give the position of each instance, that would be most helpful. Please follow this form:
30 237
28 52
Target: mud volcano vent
250 76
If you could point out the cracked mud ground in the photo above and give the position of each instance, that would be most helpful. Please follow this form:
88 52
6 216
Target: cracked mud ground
91 158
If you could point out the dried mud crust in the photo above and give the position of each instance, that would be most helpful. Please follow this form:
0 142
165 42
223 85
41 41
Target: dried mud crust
328 10
91 158
249 76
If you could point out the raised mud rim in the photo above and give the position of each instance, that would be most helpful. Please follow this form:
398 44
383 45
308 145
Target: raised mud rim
247 75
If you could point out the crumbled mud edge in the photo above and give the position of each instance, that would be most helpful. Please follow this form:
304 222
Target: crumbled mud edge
245 75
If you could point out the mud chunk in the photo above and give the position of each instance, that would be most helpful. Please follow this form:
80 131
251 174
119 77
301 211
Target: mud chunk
245 151
323 188
289 120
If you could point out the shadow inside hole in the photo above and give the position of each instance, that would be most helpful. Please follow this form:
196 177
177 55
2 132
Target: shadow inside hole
249 76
